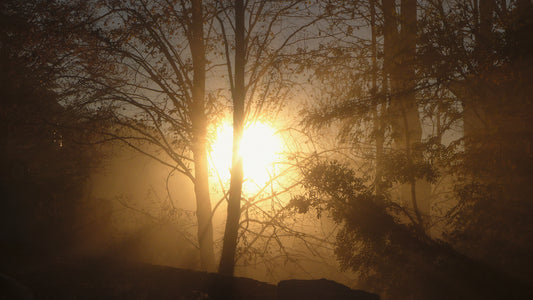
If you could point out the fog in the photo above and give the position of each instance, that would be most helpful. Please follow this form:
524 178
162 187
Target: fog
128 212
126 202
233 145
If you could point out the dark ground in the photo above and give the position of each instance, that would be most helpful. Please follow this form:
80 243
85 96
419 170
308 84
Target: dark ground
107 278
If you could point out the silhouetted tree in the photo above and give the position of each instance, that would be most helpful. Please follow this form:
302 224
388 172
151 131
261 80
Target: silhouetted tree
461 67
227 260
494 180
141 66
44 160
258 82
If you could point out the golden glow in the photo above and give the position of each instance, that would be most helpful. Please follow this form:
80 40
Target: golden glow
259 148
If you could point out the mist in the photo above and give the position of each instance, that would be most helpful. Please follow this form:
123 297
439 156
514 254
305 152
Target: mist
266 149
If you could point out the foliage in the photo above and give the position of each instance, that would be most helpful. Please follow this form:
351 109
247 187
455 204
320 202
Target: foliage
126 70
399 169
137 67
472 97
45 160
390 255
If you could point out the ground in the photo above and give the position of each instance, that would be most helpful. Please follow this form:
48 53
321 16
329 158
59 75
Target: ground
108 278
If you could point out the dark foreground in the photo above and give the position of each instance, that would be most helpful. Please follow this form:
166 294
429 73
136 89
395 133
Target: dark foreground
118 279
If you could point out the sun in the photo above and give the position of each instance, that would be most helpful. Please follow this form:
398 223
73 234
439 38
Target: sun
260 148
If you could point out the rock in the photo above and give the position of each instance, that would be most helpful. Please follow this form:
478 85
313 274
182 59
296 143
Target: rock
319 289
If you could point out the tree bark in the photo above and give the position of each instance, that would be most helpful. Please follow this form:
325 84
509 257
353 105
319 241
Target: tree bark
378 102
486 10
199 148
227 260
390 39
407 127
524 6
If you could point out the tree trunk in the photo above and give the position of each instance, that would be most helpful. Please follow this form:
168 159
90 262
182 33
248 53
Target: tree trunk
227 260
486 9
475 118
390 39
407 127
199 127
378 102
524 6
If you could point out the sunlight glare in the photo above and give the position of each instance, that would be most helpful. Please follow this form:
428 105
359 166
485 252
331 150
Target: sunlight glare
259 148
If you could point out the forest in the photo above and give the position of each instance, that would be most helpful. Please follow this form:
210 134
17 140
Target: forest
381 146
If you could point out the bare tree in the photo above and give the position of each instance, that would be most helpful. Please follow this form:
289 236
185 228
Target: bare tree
258 82
141 65
227 260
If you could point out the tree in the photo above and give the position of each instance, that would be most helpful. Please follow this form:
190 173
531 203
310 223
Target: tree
393 258
262 47
407 128
43 164
199 143
227 260
379 234
142 67
384 114
496 132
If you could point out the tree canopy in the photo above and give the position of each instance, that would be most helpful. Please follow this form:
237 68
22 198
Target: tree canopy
428 104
